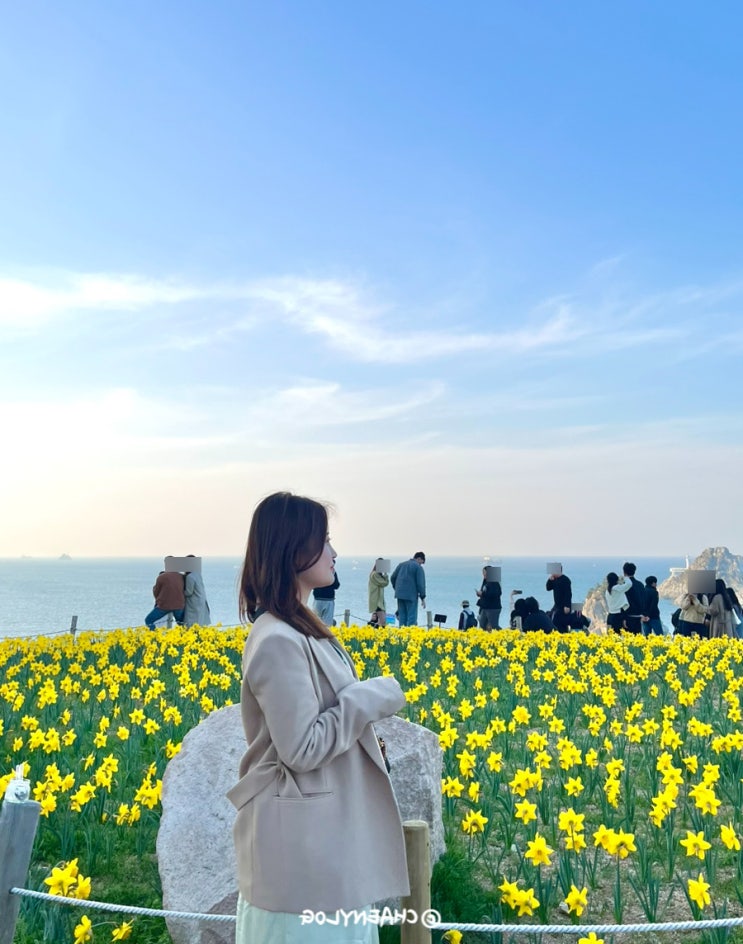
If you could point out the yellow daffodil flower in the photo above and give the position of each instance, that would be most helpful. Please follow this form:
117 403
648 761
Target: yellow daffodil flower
577 900
538 852
699 892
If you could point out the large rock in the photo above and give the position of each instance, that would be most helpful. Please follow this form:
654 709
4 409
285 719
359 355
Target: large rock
195 854
595 608
728 566
416 759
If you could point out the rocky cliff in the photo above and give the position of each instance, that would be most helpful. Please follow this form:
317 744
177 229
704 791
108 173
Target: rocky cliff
595 608
729 567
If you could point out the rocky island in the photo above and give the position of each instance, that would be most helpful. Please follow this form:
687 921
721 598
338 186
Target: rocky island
728 567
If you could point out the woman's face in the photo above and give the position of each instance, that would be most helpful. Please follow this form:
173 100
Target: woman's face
322 572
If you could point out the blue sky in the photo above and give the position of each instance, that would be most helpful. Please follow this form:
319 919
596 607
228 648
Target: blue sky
471 272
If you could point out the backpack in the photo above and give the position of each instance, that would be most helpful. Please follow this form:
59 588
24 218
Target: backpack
676 617
471 621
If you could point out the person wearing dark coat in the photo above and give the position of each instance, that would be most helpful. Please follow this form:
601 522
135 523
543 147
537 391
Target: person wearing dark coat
562 593
652 625
635 612
536 620
324 601
518 613
489 602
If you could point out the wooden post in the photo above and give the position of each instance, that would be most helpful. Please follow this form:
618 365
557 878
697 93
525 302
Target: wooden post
18 822
417 849
429 619
347 617
73 627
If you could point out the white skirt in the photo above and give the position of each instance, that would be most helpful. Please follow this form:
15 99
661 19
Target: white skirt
256 926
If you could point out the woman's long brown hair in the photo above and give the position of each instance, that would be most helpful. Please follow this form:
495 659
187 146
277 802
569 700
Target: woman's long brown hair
287 536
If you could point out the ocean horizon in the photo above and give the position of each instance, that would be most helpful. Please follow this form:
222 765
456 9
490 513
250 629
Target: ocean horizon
41 595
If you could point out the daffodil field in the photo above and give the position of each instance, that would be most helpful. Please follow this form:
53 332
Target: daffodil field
589 779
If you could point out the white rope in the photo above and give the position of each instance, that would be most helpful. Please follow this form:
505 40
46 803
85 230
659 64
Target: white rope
701 925
119 909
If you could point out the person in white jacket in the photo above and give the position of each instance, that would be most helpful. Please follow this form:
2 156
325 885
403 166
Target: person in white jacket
616 600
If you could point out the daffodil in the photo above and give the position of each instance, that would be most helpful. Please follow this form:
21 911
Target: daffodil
61 880
538 852
122 931
467 763
508 890
730 837
526 811
577 900
494 762
474 822
452 787
699 891
524 901
83 930
569 821
695 844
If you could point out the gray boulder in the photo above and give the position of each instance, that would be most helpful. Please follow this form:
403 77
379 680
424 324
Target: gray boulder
195 854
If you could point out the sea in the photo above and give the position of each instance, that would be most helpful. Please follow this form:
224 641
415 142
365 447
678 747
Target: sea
40 596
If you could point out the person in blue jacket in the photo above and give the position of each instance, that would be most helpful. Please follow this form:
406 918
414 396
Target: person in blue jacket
409 583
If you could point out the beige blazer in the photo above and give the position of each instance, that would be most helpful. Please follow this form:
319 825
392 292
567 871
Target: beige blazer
721 623
317 825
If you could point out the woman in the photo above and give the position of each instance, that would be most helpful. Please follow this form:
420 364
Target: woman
317 826
489 602
720 612
693 615
616 601
536 620
196 612
737 612
378 580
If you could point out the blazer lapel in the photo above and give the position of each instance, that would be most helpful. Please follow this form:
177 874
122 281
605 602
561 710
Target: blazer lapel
332 664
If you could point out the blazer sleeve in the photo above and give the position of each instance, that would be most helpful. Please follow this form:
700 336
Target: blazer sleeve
305 735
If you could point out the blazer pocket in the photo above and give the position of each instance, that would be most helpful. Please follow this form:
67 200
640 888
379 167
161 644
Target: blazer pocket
307 829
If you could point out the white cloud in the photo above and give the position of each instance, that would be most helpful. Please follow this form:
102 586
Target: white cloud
350 319
357 328
326 404
28 303
117 427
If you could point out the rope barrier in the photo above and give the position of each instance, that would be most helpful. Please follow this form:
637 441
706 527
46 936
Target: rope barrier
703 924
119 909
